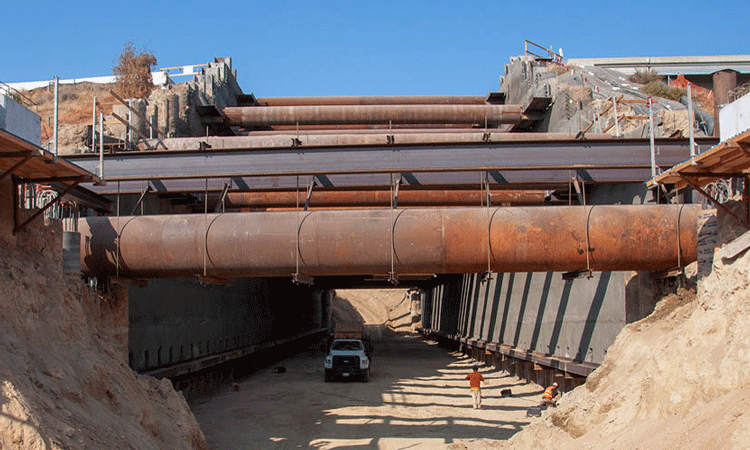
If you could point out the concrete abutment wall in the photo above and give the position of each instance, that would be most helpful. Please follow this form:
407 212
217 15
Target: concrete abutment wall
174 321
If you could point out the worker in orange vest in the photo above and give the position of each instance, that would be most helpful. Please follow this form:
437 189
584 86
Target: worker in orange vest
548 398
475 379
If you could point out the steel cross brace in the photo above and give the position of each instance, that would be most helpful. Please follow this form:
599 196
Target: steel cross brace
714 201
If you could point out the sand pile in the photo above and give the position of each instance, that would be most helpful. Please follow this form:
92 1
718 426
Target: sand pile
677 379
64 378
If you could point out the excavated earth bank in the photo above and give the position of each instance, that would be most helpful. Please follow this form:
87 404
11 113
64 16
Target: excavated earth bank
64 378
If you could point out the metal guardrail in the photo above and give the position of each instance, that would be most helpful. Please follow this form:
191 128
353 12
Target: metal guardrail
16 95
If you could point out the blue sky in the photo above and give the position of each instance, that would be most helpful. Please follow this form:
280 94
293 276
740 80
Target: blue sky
356 48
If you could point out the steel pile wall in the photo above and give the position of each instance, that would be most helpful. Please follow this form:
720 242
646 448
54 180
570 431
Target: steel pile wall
538 312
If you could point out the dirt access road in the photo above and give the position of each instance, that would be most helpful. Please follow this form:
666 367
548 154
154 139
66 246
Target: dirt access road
417 398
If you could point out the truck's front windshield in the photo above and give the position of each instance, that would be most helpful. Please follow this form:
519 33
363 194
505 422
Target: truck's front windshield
347 345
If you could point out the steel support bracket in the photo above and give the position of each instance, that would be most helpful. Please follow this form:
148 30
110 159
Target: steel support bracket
486 276
570 276
220 204
299 278
209 279
309 193
579 192
128 281
140 199
26 157
396 187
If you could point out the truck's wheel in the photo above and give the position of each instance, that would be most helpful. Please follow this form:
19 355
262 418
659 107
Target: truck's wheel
366 376
327 376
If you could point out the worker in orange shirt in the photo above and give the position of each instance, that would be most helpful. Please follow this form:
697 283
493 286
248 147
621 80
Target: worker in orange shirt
549 395
475 379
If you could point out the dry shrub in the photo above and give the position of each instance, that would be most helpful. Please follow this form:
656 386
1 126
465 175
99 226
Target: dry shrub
645 76
659 89
133 72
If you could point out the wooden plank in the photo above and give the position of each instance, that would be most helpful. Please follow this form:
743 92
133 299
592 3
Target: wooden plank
734 248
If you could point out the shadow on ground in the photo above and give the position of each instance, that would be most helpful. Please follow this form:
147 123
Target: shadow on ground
417 397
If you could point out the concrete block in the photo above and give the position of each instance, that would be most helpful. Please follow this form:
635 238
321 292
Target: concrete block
19 120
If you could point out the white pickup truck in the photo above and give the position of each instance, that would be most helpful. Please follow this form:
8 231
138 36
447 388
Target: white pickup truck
347 354
347 358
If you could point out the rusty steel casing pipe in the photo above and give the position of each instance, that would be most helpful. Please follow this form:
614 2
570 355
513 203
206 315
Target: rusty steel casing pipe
425 241
265 116
375 100
381 198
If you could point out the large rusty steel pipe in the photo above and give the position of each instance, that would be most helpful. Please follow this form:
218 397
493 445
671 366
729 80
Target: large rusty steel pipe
381 198
264 116
375 100
415 241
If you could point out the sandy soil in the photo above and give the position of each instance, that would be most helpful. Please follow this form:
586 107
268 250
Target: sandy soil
417 398
64 379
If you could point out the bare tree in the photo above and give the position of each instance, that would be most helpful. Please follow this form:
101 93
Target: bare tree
133 72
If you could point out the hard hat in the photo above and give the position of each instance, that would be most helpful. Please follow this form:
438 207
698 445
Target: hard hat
554 384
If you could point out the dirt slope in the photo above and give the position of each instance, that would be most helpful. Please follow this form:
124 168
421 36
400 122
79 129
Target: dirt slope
375 306
64 379
675 380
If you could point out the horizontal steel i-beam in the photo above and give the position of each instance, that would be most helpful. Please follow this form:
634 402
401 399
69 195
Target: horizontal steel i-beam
542 163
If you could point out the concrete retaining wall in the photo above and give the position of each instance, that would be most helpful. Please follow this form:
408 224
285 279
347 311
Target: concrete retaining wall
175 321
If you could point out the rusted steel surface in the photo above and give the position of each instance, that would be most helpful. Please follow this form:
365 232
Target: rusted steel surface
378 127
517 164
420 241
264 116
375 100
374 198
353 138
